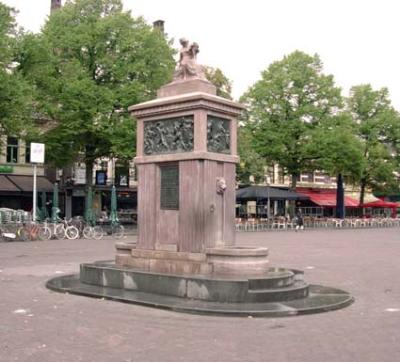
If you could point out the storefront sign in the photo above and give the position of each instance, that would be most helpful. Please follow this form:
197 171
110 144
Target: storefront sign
80 176
123 180
101 177
37 152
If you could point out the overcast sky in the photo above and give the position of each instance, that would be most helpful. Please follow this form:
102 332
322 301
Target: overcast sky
357 40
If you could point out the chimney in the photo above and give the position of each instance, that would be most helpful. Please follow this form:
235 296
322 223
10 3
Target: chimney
159 25
55 5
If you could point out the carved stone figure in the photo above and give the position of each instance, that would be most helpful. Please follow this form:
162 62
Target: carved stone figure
169 136
218 135
221 185
187 65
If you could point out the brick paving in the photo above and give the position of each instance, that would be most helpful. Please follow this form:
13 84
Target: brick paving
37 325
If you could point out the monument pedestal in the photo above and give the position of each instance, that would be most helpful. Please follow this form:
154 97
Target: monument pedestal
186 160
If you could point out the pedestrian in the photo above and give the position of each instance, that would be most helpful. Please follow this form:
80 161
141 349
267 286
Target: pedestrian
299 220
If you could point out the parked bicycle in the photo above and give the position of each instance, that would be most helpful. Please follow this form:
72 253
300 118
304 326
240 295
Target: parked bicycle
61 230
114 229
71 231
93 232
31 231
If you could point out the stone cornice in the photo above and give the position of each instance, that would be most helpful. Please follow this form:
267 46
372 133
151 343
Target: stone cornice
173 157
190 101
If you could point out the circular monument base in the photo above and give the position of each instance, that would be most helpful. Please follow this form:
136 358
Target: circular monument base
280 292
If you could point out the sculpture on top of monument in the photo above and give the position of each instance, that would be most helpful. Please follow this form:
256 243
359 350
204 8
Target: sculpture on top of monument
187 65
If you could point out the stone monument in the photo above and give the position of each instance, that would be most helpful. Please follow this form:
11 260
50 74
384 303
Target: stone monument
185 257
186 157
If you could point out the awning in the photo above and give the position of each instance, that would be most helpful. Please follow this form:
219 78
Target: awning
264 192
368 197
381 204
327 198
7 185
25 183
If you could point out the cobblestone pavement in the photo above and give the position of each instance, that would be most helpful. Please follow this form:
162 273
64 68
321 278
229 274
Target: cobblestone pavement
37 325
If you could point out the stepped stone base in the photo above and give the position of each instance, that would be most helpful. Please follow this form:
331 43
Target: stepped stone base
279 292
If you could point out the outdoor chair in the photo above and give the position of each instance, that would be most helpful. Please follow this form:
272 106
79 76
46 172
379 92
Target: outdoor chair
337 223
279 223
290 224
239 224
250 225
263 224
308 221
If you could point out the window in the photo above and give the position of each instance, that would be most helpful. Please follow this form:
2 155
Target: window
307 177
122 174
281 175
12 150
27 152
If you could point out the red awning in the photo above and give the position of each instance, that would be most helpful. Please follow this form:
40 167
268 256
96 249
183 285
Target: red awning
326 198
382 204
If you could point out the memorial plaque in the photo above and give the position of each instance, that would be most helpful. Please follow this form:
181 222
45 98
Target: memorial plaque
169 136
169 187
218 135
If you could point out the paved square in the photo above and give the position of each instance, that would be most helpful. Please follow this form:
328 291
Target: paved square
39 325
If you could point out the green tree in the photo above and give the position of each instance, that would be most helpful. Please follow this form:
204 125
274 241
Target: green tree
377 125
251 163
337 148
15 94
218 78
292 100
91 61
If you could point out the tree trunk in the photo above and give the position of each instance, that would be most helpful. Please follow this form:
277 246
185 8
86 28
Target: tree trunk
89 173
292 203
363 185
89 162
340 205
293 182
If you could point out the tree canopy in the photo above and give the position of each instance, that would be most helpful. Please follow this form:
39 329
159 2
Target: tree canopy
292 100
91 61
220 80
15 93
251 163
377 125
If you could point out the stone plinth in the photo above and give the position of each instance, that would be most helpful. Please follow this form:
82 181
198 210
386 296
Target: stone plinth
186 86
238 260
193 137
216 261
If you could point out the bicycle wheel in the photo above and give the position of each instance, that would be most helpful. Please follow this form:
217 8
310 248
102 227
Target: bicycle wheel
118 231
88 232
98 232
22 234
59 231
71 232
44 233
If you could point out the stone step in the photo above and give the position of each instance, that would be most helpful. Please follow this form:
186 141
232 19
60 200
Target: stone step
320 299
296 291
275 278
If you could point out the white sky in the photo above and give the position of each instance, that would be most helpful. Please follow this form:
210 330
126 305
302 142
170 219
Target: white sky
357 40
